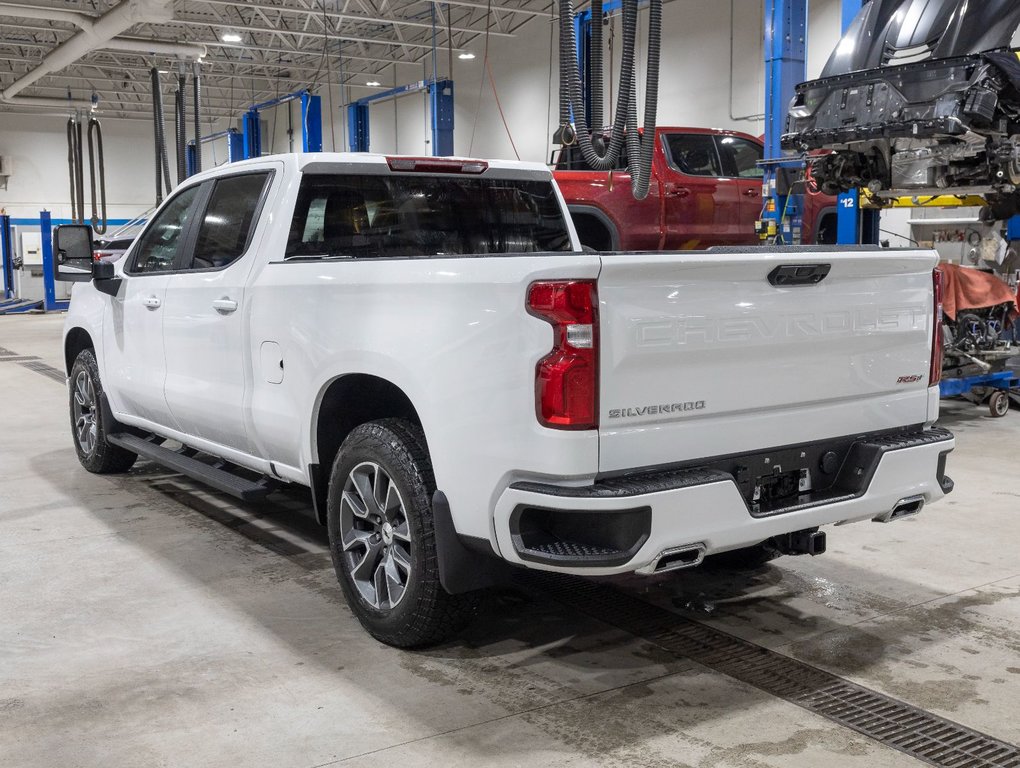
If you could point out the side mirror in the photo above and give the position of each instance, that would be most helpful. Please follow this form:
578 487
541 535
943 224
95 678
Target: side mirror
72 253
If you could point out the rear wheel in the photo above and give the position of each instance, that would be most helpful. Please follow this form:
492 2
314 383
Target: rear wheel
382 539
85 395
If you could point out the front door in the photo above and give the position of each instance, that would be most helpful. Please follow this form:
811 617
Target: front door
135 364
740 158
204 326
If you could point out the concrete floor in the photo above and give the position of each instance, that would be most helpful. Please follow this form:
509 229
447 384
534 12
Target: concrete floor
147 622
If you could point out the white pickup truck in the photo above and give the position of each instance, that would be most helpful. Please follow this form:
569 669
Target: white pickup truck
425 344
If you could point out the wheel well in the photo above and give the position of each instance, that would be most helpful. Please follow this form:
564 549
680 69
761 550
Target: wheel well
825 233
592 231
77 340
351 401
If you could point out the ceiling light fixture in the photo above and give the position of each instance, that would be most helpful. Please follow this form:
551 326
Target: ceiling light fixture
372 83
466 55
230 37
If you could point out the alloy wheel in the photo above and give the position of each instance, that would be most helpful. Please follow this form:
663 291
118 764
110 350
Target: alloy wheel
86 427
375 535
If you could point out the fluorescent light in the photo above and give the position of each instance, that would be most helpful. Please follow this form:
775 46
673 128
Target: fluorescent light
373 83
466 55
230 37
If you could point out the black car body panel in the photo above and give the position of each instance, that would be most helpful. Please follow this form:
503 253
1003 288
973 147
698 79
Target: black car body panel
892 32
920 96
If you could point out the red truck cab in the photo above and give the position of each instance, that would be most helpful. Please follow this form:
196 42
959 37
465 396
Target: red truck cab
706 190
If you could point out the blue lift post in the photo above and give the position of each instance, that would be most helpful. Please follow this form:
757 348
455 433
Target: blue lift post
235 147
7 256
785 67
311 123
854 225
441 100
50 303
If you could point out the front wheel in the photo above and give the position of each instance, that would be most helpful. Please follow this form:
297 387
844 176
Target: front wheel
998 403
95 453
382 538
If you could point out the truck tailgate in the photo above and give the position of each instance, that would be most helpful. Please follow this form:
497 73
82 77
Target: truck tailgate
702 356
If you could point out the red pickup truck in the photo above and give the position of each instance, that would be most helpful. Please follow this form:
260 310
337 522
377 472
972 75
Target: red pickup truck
705 191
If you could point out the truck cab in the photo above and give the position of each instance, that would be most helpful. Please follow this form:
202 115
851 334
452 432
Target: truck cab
706 191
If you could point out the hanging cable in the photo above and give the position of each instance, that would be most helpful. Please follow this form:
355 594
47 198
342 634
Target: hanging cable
96 160
79 170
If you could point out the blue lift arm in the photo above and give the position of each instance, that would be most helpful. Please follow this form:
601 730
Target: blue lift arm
441 98
311 123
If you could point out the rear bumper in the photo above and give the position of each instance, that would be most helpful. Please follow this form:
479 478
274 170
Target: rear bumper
628 523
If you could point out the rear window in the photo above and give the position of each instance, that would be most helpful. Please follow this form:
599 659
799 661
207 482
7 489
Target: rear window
366 216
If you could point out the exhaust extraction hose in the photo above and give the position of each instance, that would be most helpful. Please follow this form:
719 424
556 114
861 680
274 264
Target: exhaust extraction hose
181 126
197 83
162 165
640 149
98 224
596 64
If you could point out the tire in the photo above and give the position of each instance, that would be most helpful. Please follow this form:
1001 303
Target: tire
382 540
748 558
85 391
998 403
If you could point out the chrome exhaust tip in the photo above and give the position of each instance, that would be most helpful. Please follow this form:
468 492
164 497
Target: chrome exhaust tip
675 559
907 507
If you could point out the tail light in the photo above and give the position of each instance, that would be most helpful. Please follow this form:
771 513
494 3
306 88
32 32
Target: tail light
566 380
935 373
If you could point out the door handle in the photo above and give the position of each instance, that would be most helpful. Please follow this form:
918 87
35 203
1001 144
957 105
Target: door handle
152 302
674 190
751 192
224 306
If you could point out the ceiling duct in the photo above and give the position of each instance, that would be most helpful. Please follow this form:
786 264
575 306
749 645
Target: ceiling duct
95 33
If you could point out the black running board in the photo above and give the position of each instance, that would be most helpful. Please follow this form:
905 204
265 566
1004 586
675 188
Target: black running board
220 479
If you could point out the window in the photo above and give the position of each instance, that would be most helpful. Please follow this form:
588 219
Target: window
571 159
693 153
740 157
229 220
159 244
371 216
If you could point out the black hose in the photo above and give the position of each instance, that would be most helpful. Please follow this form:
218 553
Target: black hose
568 71
181 124
71 169
197 83
595 75
79 171
641 175
98 225
157 119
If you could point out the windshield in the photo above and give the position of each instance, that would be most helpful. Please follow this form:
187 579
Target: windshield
373 216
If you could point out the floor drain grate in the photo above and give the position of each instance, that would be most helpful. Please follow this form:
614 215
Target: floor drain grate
46 370
910 730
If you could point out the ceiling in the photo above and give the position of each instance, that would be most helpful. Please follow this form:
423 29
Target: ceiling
285 46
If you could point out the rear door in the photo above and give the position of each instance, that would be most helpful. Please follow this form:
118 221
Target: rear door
204 324
702 356
701 207
740 159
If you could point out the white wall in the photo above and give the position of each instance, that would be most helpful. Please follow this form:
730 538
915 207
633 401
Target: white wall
695 89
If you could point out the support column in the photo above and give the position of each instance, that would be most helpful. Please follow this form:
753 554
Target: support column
849 216
7 256
357 127
441 95
785 67
50 303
